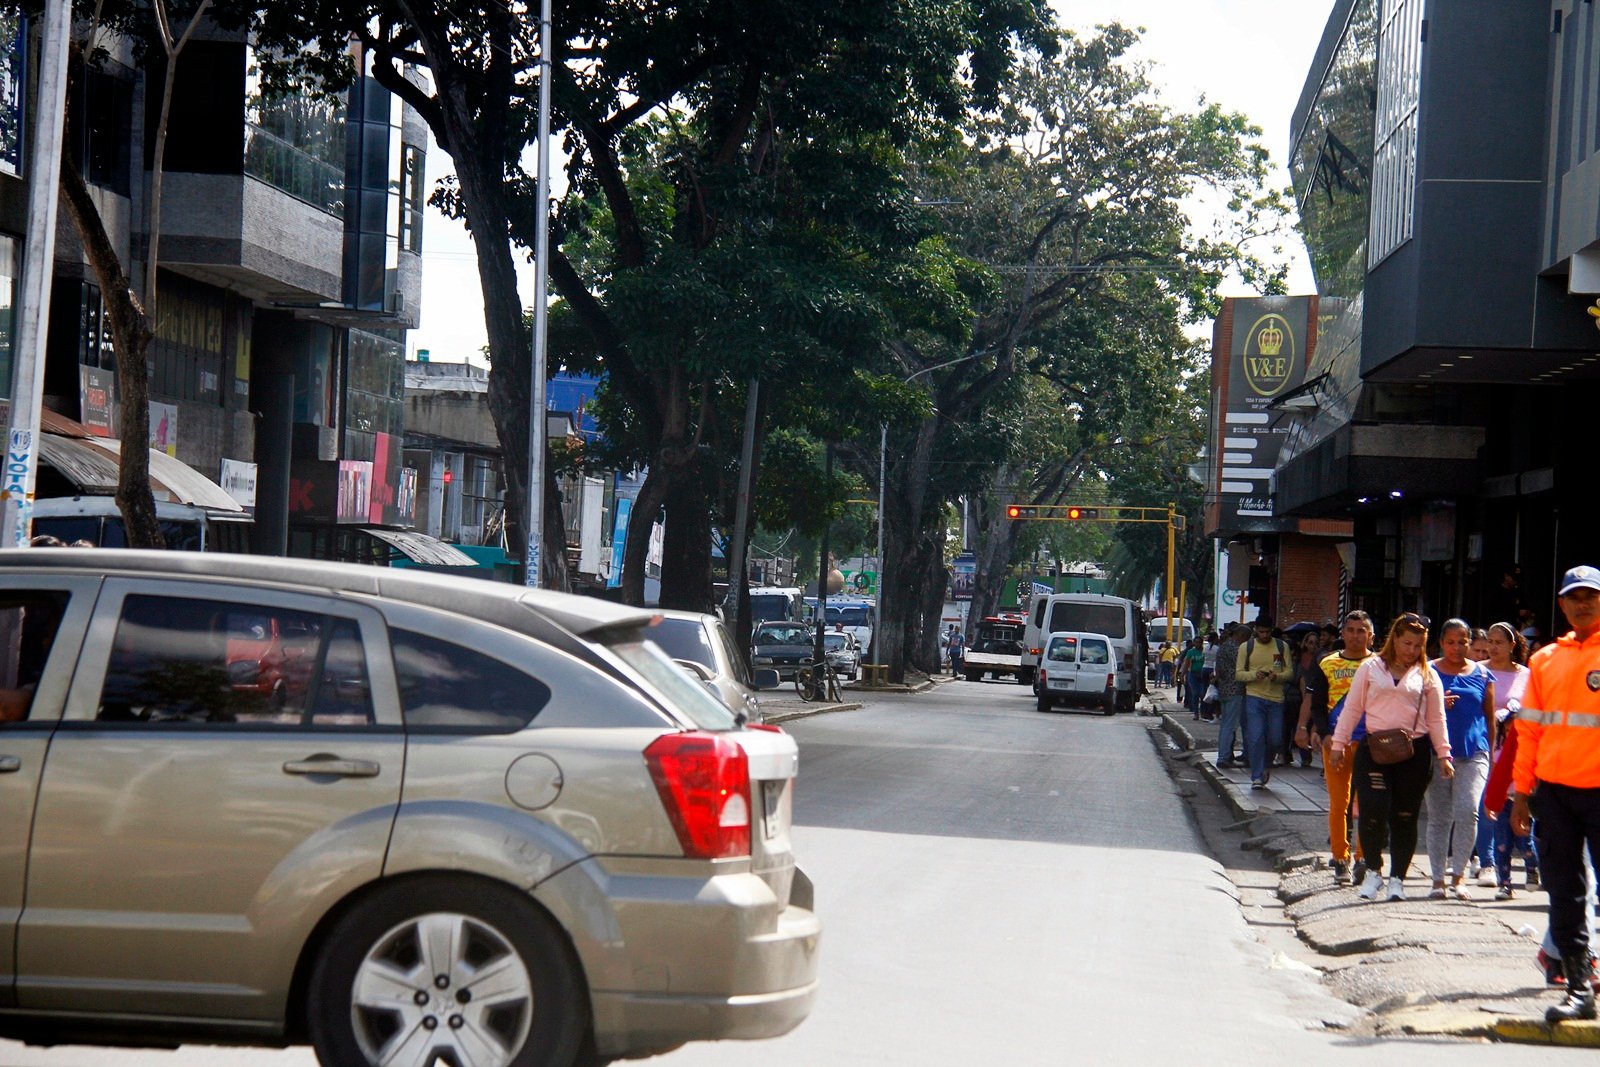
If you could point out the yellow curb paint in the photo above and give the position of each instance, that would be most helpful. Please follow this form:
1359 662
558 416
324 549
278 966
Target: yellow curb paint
1584 1034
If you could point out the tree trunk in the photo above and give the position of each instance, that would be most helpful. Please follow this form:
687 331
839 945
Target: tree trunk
646 509
130 337
997 544
686 550
925 652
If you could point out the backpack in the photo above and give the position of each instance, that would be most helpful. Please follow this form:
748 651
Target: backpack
1250 647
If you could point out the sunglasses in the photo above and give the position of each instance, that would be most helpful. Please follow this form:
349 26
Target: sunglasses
1411 618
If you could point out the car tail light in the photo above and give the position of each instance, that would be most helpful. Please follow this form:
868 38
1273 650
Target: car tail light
1111 682
704 782
1033 651
769 727
1044 675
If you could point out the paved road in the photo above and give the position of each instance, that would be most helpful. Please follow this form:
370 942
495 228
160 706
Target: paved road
1009 888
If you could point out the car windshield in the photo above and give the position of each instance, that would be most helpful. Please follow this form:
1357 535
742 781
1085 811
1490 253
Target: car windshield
686 696
769 606
850 615
836 641
684 639
783 634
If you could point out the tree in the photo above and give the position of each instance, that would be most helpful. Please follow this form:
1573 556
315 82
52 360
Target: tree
128 315
1073 213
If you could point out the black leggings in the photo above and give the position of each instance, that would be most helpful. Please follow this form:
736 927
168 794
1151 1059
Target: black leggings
1391 798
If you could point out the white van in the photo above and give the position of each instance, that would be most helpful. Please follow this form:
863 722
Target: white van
1182 631
1078 667
1118 618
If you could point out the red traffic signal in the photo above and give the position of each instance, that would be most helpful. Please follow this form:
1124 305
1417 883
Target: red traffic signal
1074 513
1021 511
1078 514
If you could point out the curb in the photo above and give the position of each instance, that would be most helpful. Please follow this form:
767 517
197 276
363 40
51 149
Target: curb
1534 1032
823 709
1238 802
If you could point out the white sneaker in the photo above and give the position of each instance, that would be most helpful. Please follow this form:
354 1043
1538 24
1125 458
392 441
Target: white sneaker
1397 889
1487 878
1472 867
1371 886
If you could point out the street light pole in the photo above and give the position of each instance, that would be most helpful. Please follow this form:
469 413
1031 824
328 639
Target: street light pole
38 259
1172 555
877 606
537 434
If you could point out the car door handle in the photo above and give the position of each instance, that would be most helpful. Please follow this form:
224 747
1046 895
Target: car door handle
10 764
323 763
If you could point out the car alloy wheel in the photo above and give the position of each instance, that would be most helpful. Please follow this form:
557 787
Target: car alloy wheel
442 988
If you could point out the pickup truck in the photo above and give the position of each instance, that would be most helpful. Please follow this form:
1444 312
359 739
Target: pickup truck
996 649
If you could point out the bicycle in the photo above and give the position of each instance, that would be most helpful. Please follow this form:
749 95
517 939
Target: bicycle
814 684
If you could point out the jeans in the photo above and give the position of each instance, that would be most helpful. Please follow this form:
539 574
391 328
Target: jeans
1483 847
1391 799
1232 722
1453 804
1506 842
1163 674
1568 826
1263 726
1338 781
1194 688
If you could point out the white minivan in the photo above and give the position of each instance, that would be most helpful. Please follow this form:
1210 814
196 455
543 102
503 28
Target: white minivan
1077 667
1118 618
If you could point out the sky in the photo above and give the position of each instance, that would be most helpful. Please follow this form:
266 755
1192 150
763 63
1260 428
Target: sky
1249 56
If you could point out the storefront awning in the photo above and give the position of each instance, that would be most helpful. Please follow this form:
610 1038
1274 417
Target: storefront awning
421 548
91 463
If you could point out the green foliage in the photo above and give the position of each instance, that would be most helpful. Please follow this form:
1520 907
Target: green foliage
793 491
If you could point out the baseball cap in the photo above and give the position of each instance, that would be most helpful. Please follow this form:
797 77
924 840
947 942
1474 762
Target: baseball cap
1580 578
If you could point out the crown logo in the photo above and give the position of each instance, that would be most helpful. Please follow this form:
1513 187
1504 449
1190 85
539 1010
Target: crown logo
1270 341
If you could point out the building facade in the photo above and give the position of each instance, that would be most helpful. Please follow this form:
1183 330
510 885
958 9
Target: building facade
290 268
1444 160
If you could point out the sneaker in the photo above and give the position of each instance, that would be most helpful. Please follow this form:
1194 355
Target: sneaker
1533 878
1555 976
1372 886
1397 889
1505 892
1258 784
1487 878
1358 873
1473 867
1341 872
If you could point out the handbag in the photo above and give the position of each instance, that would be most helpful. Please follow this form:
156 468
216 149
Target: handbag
1395 746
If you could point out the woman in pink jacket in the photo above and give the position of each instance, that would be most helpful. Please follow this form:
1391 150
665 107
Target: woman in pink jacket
1394 690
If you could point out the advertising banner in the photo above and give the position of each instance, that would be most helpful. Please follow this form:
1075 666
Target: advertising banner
97 401
164 428
619 541
239 481
1267 360
964 575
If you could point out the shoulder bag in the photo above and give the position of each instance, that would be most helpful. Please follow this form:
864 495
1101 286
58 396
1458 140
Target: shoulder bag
1395 746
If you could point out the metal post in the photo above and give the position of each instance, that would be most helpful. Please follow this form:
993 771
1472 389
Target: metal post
877 608
38 261
1183 597
537 443
737 570
822 567
1172 555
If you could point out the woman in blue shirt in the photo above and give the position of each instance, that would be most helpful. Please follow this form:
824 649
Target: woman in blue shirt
1469 718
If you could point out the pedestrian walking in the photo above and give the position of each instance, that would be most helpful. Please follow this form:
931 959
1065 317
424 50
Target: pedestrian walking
1400 700
1166 664
1208 661
1328 686
1230 697
1263 666
1478 650
1556 778
1191 665
958 652
1508 656
1294 693
1453 803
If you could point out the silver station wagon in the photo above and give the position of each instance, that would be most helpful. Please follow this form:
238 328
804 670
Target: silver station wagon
408 819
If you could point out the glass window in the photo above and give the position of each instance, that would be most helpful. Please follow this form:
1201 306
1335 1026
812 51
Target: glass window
13 88
730 653
689 698
8 303
411 198
1062 650
1095 652
1108 619
183 661
28 625
445 687
683 639
793 633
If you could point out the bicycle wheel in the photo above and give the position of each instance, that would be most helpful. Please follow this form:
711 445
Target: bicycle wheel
803 683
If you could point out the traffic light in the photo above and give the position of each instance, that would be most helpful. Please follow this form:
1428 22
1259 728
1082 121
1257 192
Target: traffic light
1021 511
1079 514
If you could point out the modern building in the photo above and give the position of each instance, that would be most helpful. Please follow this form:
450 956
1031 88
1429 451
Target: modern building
290 268
1444 155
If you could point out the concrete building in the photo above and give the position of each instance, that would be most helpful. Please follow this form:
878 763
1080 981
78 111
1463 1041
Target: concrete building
1444 155
290 269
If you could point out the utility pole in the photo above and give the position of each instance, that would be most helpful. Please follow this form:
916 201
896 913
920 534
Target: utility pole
877 606
537 435
38 260
822 567
737 569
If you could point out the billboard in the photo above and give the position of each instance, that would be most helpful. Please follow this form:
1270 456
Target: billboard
1266 361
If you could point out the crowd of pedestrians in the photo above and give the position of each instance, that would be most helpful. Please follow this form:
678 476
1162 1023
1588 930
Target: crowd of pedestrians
1495 738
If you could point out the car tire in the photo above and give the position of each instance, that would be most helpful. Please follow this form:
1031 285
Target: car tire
541 1018
974 676
1108 706
1045 703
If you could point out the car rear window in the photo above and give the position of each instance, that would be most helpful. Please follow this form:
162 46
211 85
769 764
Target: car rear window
1062 650
1108 619
1094 652
685 695
447 688
683 639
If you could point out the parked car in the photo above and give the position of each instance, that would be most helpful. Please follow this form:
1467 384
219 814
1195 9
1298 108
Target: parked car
782 646
702 644
494 826
843 653
1078 668
996 648
1097 613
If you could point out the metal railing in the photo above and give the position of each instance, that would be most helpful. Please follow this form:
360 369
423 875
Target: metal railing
286 166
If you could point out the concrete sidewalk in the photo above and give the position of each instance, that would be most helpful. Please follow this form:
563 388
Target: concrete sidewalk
1423 967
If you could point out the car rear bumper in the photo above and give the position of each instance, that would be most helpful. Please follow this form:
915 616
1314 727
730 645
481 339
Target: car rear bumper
673 959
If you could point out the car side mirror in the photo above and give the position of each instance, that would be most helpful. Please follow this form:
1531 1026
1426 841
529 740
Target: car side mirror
765 678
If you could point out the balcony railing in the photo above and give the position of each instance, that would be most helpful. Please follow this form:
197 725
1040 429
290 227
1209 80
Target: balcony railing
288 167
